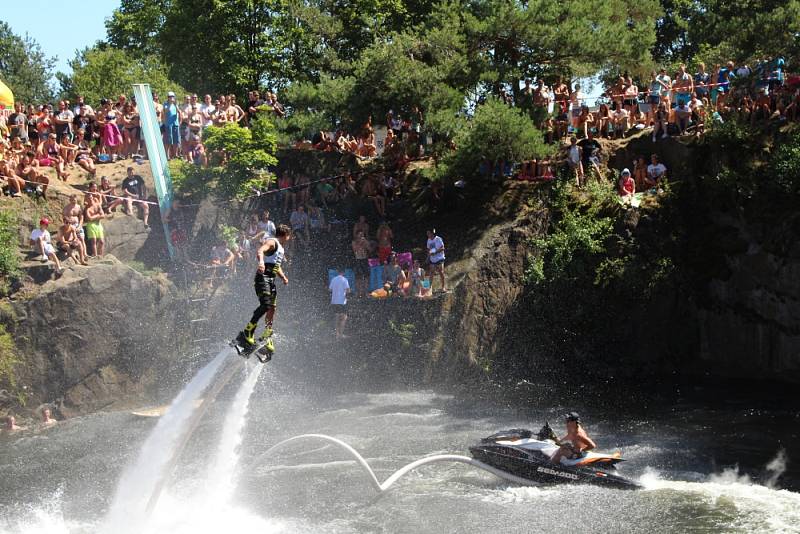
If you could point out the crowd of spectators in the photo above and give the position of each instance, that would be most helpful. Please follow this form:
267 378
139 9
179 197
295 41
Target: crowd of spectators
683 103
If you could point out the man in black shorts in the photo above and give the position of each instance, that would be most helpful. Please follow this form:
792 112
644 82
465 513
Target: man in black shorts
270 256
133 189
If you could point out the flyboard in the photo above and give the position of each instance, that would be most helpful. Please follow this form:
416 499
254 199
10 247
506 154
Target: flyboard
260 349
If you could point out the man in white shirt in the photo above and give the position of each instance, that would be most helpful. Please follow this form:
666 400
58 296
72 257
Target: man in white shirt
655 172
339 288
435 247
41 243
266 226
620 119
207 110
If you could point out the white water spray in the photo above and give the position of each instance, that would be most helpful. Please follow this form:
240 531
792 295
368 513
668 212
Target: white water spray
221 475
139 480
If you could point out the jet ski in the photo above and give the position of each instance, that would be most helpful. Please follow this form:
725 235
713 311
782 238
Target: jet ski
522 455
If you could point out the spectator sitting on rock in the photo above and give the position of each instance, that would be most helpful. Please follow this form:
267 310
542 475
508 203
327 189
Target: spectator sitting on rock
108 199
9 179
626 186
83 154
28 170
41 243
73 212
93 215
417 275
70 243
683 115
222 258
392 274
390 187
370 190
656 172
316 220
47 417
133 189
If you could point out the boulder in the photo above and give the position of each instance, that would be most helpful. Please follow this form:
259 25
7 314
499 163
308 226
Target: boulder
94 337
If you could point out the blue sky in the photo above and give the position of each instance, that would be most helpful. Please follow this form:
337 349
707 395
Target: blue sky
59 28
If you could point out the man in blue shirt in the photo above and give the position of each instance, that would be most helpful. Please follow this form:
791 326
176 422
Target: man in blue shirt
172 119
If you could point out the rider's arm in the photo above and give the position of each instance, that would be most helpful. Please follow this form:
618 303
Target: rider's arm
268 247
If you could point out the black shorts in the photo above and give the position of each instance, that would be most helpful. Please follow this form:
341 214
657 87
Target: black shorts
361 267
265 289
338 308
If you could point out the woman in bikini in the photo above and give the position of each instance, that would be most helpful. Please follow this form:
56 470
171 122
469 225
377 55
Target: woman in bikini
131 130
69 151
84 157
49 155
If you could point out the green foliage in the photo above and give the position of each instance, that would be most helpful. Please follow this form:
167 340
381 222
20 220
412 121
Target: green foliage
189 179
497 132
24 68
9 249
8 360
716 31
135 26
785 166
404 332
143 269
229 234
248 155
578 234
103 72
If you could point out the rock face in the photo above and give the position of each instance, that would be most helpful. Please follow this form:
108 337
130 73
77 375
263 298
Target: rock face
94 337
749 325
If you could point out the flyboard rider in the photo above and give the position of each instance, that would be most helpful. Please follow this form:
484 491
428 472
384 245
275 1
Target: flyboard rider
270 255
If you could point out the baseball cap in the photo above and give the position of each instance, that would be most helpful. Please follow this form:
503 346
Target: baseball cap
626 171
170 94
573 416
44 220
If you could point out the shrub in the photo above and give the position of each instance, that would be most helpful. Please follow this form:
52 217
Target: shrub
9 250
497 132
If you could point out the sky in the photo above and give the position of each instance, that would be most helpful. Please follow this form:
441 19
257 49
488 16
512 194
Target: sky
56 26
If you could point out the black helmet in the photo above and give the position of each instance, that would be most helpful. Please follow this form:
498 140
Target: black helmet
573 416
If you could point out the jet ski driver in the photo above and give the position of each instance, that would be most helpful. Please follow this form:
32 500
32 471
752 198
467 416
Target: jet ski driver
576 443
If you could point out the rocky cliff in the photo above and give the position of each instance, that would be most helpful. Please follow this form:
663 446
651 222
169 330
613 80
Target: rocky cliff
94 338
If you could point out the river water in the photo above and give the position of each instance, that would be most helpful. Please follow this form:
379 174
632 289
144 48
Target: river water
63 479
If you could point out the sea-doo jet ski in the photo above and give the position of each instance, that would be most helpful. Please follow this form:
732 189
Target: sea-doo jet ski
519 453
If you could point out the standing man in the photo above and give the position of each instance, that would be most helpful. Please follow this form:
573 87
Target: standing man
93 216
134 189
18 123
172 119
435 247
270 256
339 288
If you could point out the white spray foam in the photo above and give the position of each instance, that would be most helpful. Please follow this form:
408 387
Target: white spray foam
138 481
760 507
222 473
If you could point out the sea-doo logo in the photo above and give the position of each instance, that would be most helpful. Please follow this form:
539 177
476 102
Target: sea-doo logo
557 473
